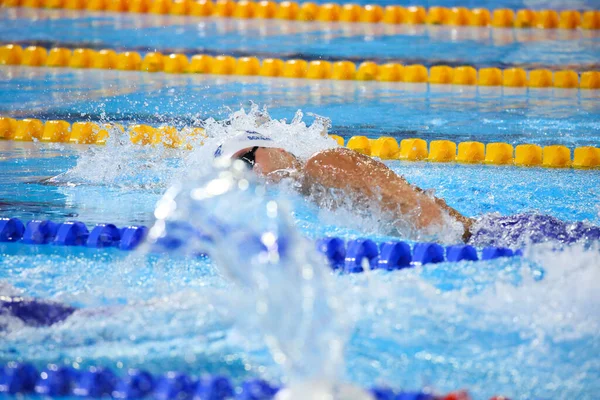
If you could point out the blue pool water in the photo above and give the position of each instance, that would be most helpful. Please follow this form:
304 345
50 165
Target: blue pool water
429 45
130 196
522 327
401 110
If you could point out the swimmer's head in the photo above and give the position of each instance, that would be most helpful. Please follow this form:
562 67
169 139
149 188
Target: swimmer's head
243 140
259 152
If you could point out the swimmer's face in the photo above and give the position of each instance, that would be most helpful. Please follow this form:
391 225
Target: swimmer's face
267 160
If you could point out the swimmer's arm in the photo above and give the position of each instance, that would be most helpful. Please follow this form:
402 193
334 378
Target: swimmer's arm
362 175
466 221
346 169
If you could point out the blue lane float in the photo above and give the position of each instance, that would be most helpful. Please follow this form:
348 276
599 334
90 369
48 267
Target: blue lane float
335 251
22 379
39 232
104 235
359 251
394 255
55 381
71 233
11 229
461 252
489 253
132 237
350 257
427 253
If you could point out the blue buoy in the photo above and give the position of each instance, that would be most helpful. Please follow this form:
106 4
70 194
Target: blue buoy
428 253
358 250
73 233
103 235
334 249
39 232
56 381
132 236
173 386
213 388
383 393
414 396
96 382
518 253
394 255
17 378
135 385
11 229
257 389
461 252
489 253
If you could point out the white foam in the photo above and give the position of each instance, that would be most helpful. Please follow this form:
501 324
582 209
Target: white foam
297 137
249 235
7 289
546 294
123 164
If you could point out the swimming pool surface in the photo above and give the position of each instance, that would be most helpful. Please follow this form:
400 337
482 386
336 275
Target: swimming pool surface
526 327
423 44
515 115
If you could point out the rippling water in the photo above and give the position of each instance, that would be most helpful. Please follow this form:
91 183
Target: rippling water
523 327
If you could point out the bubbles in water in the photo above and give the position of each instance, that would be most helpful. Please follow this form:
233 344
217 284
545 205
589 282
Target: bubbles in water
124 164
121 163
496 321
521 230
295 137
493 327
248 232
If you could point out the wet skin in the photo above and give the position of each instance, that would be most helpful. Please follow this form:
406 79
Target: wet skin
359 176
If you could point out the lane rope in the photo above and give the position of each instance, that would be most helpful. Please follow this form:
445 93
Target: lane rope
177 63
385 147
353 256
57 381
333 12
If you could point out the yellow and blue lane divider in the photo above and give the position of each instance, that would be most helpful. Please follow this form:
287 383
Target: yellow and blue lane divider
386 148
334 12
350 257
177 63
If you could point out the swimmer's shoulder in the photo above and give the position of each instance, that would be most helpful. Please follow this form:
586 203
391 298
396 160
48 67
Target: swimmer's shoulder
338 164
328 157
341 156
335 152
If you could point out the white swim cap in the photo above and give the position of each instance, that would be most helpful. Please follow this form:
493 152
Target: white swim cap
243 140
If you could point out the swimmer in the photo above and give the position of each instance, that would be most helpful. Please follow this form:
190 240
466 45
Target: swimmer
370 181
33 312
355 175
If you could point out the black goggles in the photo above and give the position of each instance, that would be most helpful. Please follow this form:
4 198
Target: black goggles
249 157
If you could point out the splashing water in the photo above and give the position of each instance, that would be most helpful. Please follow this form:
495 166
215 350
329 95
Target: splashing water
554 321
295 137
521 230
124 164
248 232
